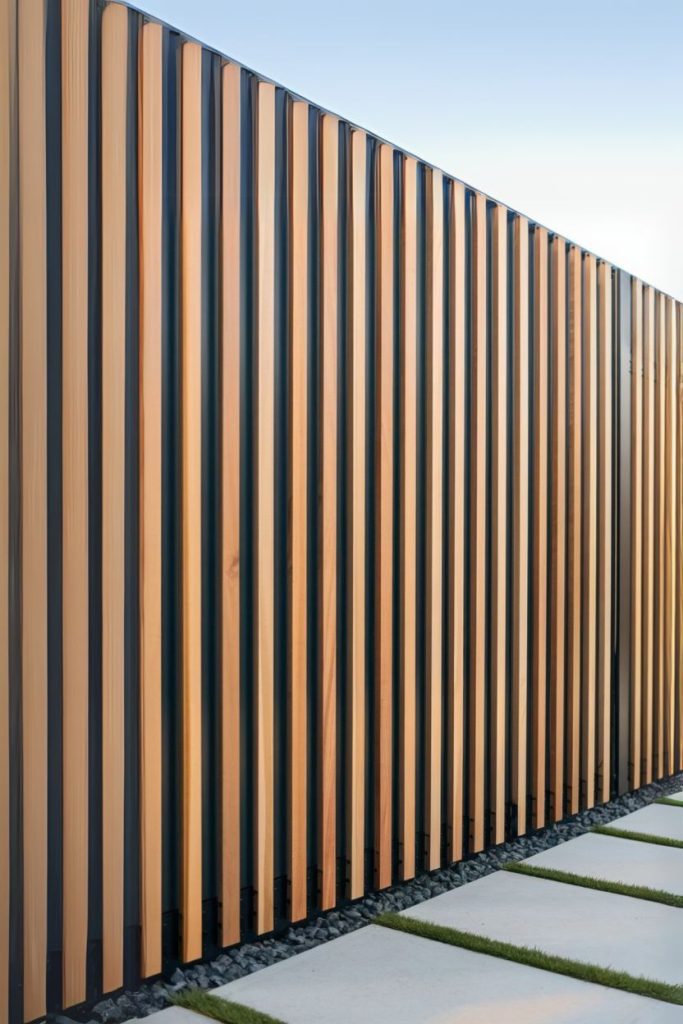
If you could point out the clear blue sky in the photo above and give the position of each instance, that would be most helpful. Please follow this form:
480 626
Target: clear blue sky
570 112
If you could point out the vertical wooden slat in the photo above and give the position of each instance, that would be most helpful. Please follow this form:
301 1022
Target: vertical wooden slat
678 355
231 312
539 562
659 538
574 491
8 94
478 513
33 432
114 272
75 434
408 543
604 600
357 443
636 529
150 482
520 519
191 456
265 482
385 518
330 402
299 541
558 528
648 526
590 515
499 552
458 582
434 516
670 552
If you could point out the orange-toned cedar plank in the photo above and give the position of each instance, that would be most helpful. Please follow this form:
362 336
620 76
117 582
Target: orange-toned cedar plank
231 199
191 445
458 585
8 201
636 529
299 541
434 516
499 512
558 528
265 476
357 443
590 515
327 849
477 540
670 549
574 491
33 432
604 638
520 519
151 326
75 444
114 274
659 526
385 517
539 562
408 542
678 356
648 527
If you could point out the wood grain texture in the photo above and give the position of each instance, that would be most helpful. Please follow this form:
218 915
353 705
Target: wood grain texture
499 518
670 551
539 556
558 524
605 488
434 552
520 519
456 466
33 433
408 512
8 201
648 528
637 373
356 515
329 359
265 508
385 585
659 538
678 350
478 515
191 500
589 527
231 565
150 148
114 117
75 511
574 496
298 681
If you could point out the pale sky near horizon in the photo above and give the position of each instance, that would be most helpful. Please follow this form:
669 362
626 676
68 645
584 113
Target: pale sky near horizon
572 113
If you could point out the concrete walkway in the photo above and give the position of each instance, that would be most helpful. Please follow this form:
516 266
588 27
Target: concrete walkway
380 976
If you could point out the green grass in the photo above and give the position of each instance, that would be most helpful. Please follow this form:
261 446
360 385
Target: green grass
208 1005
669 802
535 958
639 892
640 837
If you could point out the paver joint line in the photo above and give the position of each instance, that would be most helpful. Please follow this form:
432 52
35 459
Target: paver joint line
670 802
640 837
208 1005
532 957
639 892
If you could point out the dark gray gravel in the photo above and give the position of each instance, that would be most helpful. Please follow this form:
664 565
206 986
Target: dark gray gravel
235 963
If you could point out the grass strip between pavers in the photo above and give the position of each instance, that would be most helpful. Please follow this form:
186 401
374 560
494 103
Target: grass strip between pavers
639 837
639 892
208 1005
532 957
669 801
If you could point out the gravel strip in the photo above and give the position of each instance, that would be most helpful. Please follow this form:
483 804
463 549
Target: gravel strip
242 960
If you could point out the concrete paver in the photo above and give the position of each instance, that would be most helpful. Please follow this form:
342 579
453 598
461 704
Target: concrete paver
655 819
